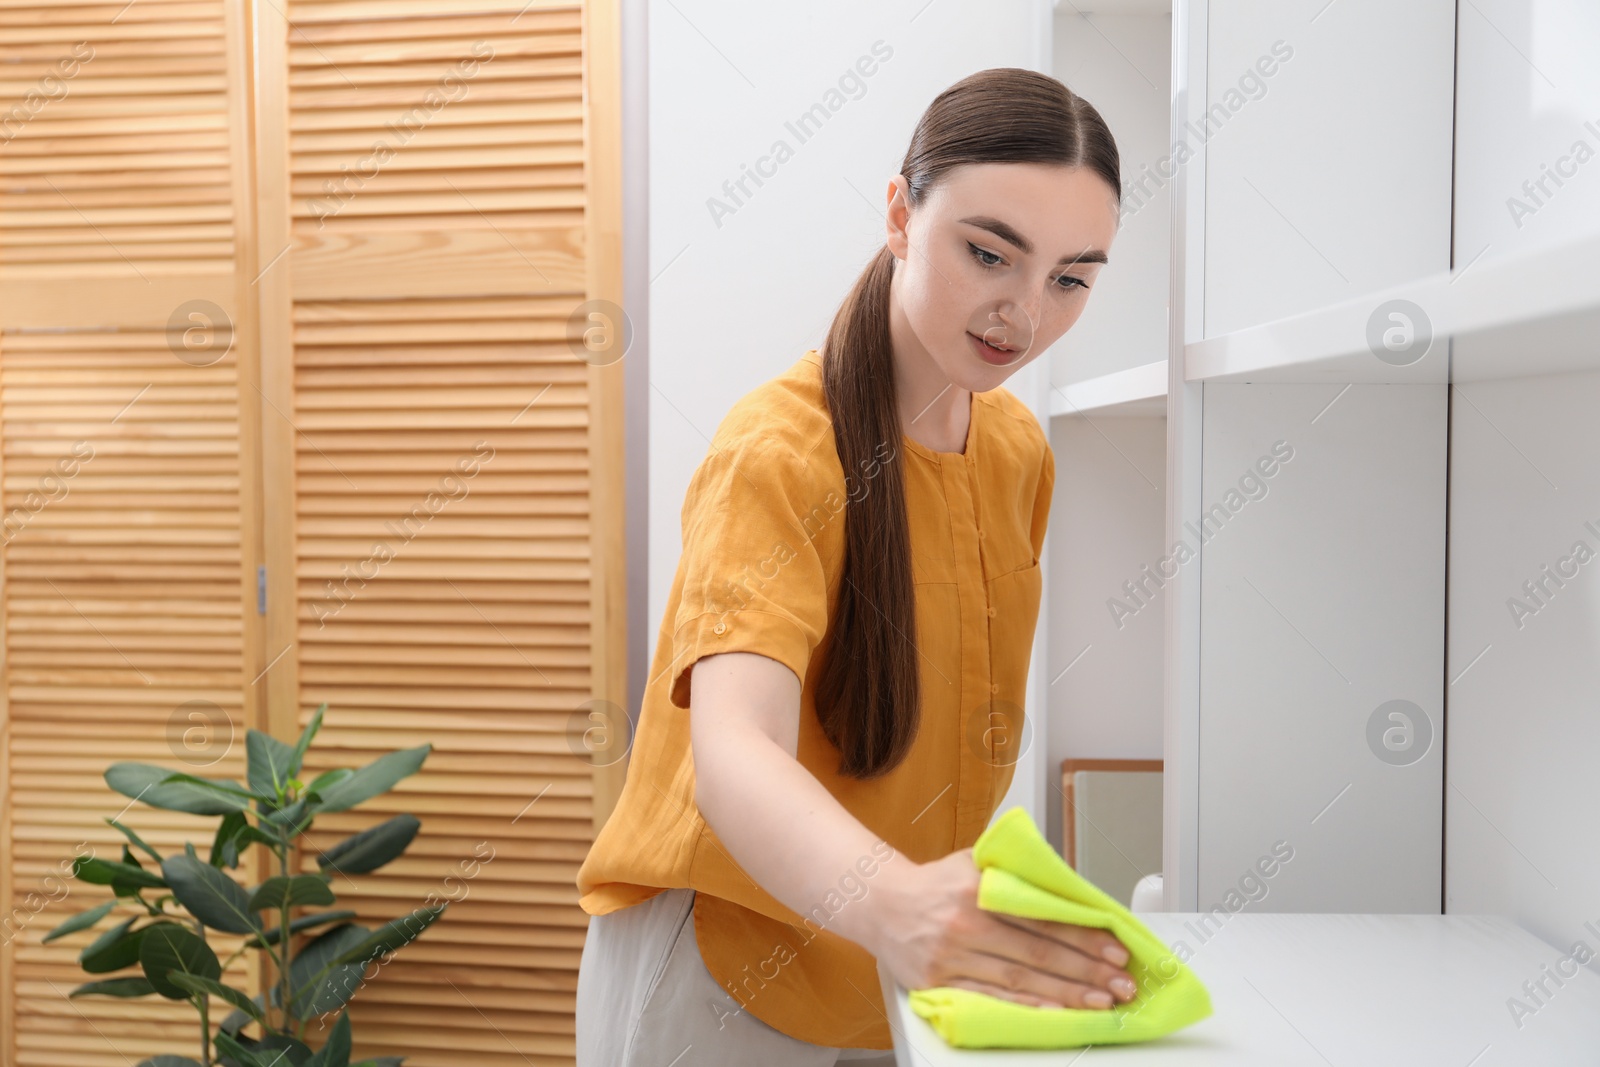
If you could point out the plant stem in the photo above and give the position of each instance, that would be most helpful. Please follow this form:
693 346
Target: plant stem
283 935
203 1002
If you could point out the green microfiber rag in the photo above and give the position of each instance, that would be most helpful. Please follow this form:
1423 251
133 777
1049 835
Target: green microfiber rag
1023 875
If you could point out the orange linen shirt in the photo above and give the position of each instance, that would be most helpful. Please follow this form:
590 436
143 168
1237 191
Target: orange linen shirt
763 550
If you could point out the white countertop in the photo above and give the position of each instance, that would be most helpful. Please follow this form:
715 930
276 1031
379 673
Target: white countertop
1343 991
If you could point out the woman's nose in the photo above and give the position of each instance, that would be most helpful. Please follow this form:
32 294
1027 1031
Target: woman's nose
1013 323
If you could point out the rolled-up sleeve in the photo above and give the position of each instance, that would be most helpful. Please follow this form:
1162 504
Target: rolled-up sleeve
752 576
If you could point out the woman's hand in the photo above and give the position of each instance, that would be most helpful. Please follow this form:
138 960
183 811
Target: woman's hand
929 931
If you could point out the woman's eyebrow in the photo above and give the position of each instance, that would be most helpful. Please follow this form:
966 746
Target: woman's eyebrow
1007 233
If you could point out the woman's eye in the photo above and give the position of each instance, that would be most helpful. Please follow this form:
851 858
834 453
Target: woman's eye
979 253
994 261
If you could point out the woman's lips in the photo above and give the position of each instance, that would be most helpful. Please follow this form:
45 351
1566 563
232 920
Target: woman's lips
999 357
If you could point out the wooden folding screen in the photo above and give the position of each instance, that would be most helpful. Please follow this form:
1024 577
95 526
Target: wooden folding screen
436 497
126 598
295 407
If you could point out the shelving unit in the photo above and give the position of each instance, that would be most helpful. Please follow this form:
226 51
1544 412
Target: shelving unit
1385 559
1389 658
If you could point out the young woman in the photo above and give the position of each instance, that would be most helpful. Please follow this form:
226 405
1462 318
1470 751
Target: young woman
832 711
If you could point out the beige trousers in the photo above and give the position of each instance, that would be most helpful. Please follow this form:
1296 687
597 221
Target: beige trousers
645 999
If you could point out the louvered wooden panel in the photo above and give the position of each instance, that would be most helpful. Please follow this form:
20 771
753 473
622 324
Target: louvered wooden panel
426 301
121 607
114 139
471 632
126 599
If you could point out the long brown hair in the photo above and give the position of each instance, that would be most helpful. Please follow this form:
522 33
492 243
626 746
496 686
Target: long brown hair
868 697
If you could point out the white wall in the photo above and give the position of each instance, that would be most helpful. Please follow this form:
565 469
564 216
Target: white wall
735 302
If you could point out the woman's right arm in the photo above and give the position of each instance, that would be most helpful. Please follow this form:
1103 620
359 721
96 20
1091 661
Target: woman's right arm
792 836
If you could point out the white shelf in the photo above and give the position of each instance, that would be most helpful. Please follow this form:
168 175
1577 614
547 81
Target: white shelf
1286 988
1135 391
1532 312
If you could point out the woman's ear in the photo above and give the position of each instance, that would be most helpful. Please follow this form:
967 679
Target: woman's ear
897 218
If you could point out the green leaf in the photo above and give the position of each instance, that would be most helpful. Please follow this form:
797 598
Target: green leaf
81 921
379 776
305 739
281 1049
232 836
251 834
394 934
113 950
317 985
267 764
335 1052
231 1050
148 783
298 890
288 816
224 847
196 983
274 1050
115 987
167 1060
247 1053
158 910
237 1019
169 949
209 895
329 778
305 922
228 788
104 872
371 848
136 840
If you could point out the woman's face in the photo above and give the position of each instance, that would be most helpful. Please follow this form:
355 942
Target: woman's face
1002 252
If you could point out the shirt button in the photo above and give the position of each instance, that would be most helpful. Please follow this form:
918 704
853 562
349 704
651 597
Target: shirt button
980 535
719 628
994 688
991 613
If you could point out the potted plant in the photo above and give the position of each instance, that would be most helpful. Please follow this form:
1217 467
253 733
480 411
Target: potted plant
167 936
